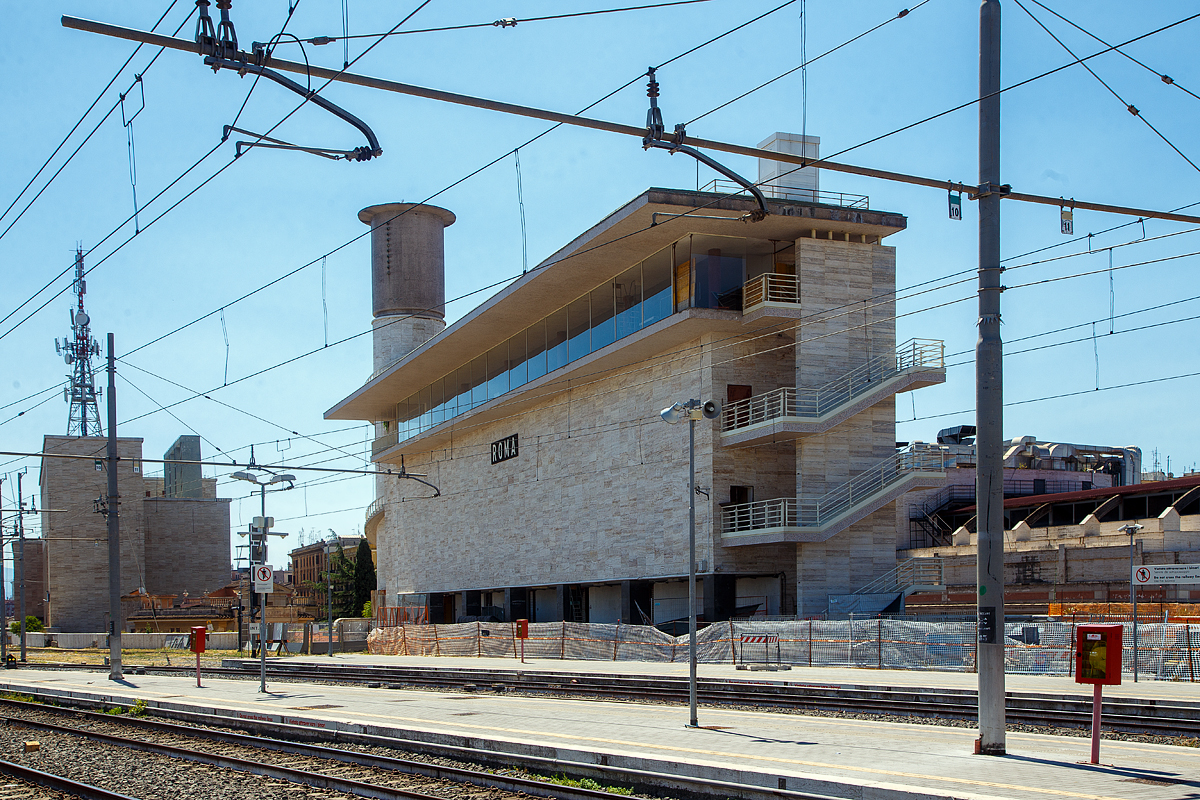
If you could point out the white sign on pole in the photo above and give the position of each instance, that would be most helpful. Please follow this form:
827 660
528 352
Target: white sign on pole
1155 574
255 628
263 579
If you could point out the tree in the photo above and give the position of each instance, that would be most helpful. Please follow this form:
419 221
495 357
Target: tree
340 573
364 575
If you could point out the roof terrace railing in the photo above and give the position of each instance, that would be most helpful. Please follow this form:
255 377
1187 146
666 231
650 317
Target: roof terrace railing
811 403
842 199
788 512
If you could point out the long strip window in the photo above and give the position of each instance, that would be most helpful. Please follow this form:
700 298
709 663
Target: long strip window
716 267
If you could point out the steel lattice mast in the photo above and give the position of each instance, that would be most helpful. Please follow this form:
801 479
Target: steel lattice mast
77 350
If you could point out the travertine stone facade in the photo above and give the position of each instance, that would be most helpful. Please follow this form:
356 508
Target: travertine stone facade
847 291
187 544
77 537
168 545
598 494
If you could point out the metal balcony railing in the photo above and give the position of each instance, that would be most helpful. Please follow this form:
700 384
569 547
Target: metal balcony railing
792 513
811 403
770 288
842 199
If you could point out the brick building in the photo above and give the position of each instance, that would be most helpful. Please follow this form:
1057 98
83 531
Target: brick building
308 565
174 536
563 494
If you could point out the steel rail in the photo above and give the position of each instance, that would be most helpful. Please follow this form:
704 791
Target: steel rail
59 783
313 779
610 775
1130 716
185 45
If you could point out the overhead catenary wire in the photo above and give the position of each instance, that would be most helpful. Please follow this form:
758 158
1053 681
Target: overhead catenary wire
507 22
456 183
63 166
640 132
1165 78
806 63
1128 106
84 116
204 183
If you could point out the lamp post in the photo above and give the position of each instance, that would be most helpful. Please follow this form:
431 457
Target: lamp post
692 410
262 533
1132 528
329 592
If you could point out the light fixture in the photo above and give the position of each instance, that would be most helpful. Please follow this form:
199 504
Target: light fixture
692 410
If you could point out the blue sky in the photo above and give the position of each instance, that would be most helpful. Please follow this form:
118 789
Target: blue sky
272 212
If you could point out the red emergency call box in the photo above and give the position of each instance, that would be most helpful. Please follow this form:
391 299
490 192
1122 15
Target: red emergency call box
1098 654
522 629
199 637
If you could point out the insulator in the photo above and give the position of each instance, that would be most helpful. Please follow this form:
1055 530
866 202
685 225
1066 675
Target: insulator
652 89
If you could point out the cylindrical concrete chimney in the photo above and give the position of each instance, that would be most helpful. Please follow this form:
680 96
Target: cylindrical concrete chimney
408 276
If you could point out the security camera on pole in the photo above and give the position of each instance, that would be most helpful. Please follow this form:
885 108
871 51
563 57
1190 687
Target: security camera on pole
692 410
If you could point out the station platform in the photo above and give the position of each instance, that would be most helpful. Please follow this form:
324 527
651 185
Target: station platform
834 757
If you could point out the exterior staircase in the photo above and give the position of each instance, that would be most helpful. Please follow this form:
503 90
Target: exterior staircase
886 593
791 413
921 466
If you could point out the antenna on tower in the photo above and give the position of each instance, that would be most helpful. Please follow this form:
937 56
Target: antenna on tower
77 350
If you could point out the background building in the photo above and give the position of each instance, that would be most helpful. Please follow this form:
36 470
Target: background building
562 494
174 533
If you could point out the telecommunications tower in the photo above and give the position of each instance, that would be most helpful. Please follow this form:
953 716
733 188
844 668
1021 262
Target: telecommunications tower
77 350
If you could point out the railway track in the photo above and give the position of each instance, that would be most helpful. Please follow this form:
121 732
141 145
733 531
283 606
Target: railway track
1127 715
24 783
368 768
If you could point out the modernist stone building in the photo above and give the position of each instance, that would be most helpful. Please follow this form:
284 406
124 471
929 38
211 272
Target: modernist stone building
174 535
563 494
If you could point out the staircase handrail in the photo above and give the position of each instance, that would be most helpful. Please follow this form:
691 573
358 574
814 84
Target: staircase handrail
790 512
803 402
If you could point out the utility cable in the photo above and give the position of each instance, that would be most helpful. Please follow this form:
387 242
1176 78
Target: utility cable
452 185
185 197
1128 106
507 22
219 402
63 166
969 103
1167 79
806 64
172 414
85 114
1129 385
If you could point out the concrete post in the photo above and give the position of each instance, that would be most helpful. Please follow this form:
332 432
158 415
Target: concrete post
114 529
989 397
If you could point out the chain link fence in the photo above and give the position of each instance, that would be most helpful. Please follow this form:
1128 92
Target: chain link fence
1167 651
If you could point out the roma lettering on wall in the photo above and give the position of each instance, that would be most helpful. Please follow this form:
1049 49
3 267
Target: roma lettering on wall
504 449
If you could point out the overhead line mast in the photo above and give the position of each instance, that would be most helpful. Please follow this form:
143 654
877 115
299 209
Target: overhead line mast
77 350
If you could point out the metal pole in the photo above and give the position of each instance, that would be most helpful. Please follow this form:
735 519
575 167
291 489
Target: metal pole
1097 702
114 526
989 397
4 609
692 566
262 600
19 559
1133 603
329 597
